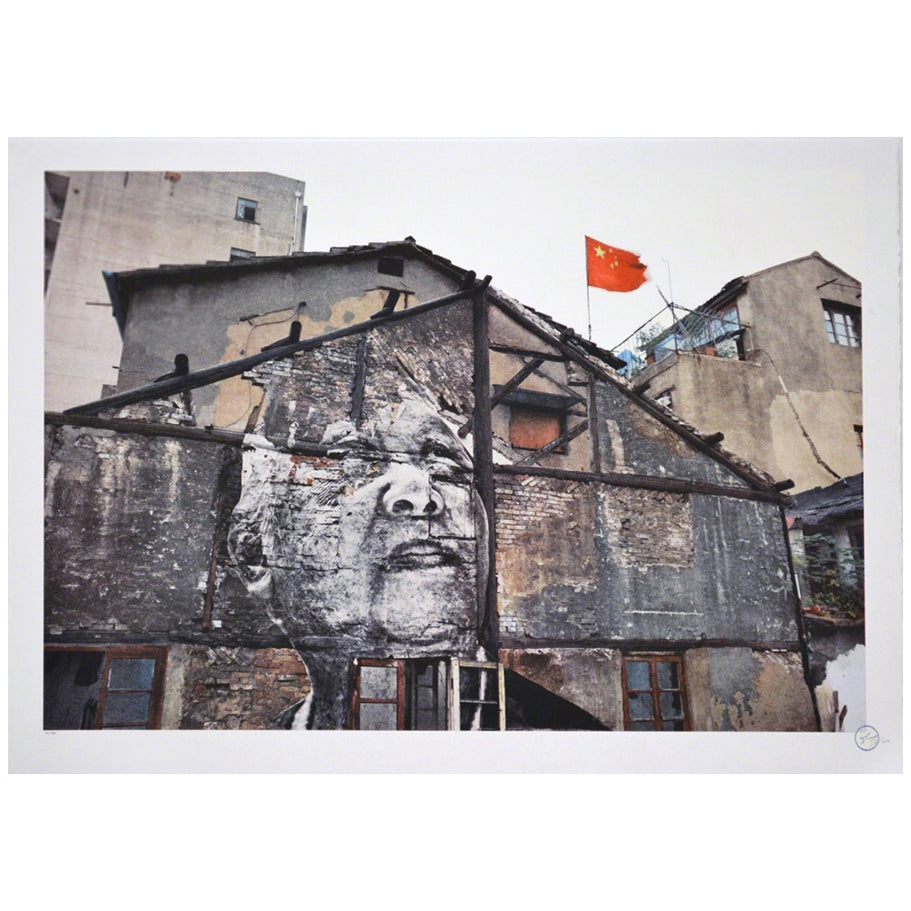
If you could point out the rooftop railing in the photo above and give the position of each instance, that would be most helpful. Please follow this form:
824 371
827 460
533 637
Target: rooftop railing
676 329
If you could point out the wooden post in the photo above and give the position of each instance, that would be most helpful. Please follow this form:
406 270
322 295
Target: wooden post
483 465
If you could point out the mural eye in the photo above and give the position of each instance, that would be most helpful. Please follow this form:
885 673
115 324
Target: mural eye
437 451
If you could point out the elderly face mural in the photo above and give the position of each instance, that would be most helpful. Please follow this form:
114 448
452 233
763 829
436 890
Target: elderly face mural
373 551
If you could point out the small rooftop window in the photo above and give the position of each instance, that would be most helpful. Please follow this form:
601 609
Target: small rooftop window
237 253
391 265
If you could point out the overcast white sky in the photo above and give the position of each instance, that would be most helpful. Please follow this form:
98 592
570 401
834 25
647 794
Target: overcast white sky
698 212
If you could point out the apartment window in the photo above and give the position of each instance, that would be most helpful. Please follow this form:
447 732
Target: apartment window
842 324
855 535
399 695
859 439
237 253
481 704
391 265
246 210
653 693
427 694
92 688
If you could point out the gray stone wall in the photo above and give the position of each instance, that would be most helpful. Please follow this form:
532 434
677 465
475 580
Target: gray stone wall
584 560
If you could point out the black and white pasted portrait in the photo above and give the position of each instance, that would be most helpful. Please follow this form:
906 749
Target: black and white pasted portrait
375 551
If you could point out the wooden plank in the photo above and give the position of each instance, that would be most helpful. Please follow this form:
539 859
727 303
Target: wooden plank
173 431
645 645
495 400
360 381
646 482
594 433
483 465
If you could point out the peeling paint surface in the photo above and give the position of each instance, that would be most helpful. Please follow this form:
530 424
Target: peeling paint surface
759 691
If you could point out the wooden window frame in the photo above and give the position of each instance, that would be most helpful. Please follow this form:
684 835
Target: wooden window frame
404 682
851 324
357 700
655 690
113 652
456 702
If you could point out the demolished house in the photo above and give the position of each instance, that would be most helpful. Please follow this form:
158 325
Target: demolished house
371 491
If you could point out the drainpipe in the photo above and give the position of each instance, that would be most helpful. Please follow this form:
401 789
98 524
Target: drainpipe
801 623
297 201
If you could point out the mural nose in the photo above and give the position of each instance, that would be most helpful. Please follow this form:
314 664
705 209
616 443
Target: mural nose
412 494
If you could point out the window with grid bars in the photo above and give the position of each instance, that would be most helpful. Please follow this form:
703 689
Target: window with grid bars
654 698
427 694
399 695
91 688
842 324
480 687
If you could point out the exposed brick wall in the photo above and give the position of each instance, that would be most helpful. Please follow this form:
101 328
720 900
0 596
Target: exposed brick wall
545 538
578 560
240 688
308 392
649 527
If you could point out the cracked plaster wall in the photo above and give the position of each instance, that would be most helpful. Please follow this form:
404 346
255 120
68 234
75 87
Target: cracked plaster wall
579 560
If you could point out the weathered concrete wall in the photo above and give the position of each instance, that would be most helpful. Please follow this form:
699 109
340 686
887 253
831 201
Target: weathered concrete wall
727 689
787 344
336 295
117 220
753 690
130 522
589 678
308 393
634 441
579 560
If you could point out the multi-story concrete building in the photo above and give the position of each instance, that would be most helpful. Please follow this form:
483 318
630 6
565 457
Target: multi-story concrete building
773 363
108 221
364 489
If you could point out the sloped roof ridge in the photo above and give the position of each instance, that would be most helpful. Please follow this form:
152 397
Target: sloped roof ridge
551 326
814 255
255 261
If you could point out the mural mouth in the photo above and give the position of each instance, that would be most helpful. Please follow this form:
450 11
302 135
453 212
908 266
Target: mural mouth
421 555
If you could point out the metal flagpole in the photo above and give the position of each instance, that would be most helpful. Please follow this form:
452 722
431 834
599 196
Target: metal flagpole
588 295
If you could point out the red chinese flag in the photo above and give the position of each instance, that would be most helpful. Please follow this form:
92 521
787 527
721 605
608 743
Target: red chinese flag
611 268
